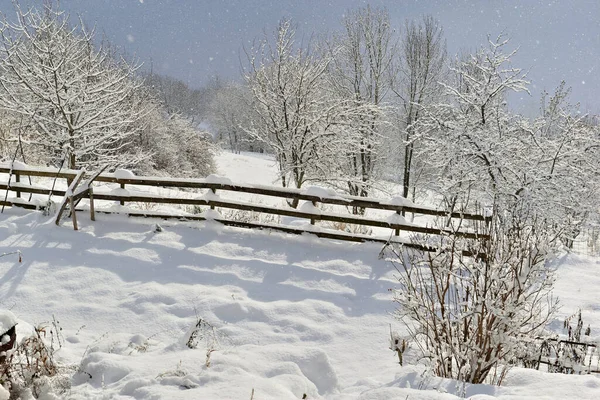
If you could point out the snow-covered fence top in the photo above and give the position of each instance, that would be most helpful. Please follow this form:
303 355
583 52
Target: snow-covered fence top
312 195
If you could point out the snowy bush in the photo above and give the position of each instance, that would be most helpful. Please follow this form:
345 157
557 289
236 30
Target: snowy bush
30 370
299 116
176 147
469 305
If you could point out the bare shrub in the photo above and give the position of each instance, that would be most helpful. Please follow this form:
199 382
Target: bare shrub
398 345
31 366
469 304
206 335
346 227
343 226
146 205
249 216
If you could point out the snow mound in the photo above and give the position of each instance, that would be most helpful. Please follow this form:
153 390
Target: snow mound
276 371
396 218
321 192
308 207
212 178
211 214
315 366
104 368
124 174
399 201
7 321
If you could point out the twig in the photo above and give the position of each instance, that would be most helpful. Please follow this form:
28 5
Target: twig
13 252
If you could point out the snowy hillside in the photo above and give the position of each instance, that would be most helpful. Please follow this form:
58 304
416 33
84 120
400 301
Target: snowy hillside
273 316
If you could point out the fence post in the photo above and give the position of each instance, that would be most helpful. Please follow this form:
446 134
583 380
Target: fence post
73 213
214 191
397 230
91 196
122 202
18 179
312 220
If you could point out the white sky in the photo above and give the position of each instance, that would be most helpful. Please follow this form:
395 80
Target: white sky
195 40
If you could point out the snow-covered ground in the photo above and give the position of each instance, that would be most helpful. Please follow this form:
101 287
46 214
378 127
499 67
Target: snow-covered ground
279 316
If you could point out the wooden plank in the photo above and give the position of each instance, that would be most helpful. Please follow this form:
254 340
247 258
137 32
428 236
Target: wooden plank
65 200
86 187
41 173
34 190
122 186
18 180
73 213
280 228
25 205
90 191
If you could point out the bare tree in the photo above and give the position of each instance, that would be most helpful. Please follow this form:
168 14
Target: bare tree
364 54
297 114
560 165
421 68
229 113
177 97
470 138
80 99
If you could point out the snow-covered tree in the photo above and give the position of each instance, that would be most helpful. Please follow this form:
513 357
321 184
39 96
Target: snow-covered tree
481 153
421 66
296 111
470 138
81 100
175 146
229 114
362 69
561 163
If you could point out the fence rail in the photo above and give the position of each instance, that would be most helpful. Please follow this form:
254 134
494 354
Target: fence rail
213 185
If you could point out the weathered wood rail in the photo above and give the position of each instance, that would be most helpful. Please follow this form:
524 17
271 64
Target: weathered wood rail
212 199
568 356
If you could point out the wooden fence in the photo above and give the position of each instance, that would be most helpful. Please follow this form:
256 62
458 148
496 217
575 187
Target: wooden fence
130 192
566 356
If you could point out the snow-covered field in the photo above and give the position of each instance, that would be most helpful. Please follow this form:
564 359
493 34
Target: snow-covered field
280 317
